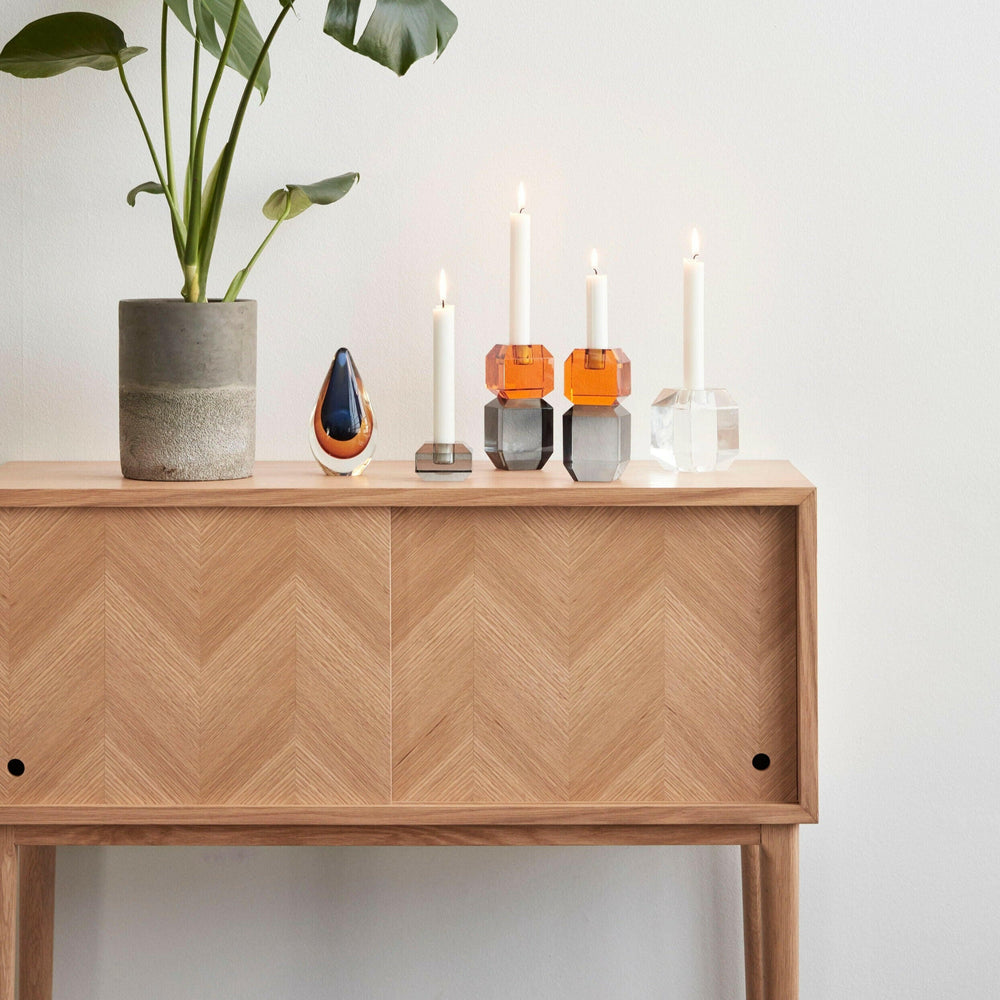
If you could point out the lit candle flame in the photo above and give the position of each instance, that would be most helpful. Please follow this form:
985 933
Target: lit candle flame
442 287
593 259
521 200
695 244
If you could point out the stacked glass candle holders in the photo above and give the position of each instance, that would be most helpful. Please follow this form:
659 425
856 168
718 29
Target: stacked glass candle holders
518 423
597 429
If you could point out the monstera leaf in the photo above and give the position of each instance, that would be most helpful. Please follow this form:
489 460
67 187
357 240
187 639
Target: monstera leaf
398 33
61 42
211 21
294 199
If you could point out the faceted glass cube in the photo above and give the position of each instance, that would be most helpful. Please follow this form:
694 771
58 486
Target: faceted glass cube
436 463
597 377
695 430
518 433
520 371
597 442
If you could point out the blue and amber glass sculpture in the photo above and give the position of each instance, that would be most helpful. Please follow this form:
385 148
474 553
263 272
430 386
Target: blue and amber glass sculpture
342 427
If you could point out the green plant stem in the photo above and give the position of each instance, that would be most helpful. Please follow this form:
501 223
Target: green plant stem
178 223
195 282
193 135
241 276
165 91
207 242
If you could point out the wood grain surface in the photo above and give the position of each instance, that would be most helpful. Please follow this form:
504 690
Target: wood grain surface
808 653
779 876
519 653
422 814
595 655
36 915
195 656
753 939
8 914
377 836
394 484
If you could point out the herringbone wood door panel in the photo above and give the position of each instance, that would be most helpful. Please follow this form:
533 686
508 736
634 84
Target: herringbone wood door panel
596 654
241 656
433 622
53 614
195 656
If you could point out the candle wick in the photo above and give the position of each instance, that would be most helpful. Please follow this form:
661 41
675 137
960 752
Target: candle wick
442 303
520 211
696 256
594 270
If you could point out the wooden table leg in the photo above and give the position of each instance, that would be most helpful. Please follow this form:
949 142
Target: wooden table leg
37 892
27 907
753 953
779 878
8 913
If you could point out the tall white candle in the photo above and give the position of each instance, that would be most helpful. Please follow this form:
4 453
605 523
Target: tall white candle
694 317
520 272
444 368
597 308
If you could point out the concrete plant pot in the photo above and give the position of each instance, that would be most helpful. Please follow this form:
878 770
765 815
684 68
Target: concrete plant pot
187 389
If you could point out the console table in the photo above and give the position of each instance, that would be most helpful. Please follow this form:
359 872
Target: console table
514 659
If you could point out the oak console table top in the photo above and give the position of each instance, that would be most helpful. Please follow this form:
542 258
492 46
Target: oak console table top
512 659
393 484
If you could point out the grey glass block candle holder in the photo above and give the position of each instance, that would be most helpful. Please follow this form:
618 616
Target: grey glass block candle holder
435 463
518 433
695 430
597 442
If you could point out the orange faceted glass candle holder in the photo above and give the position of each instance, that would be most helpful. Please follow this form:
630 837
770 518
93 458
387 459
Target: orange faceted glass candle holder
595 377
520 371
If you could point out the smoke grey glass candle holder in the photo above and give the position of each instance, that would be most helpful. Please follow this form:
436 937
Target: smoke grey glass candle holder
435 463
518 433
597 442
695 430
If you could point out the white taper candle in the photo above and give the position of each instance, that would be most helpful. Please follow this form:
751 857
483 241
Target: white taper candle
444 368
597 308
694 317
520 272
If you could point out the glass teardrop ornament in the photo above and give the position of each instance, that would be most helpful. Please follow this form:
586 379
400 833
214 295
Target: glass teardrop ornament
342 427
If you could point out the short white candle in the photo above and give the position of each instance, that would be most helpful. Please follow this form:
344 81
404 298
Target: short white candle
597 308
694 317
520 272
444 368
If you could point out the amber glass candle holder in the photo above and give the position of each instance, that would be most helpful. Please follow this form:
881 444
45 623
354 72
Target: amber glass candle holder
596 377
597 429
518 423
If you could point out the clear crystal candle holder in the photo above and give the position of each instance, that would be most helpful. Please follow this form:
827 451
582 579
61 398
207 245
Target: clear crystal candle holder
695 430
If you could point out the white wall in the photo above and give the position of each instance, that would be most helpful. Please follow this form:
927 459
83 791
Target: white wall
841 161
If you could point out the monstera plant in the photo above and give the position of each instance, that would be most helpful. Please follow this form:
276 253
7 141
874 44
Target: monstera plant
169 431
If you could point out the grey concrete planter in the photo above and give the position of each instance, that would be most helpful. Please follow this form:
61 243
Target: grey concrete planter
187 389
